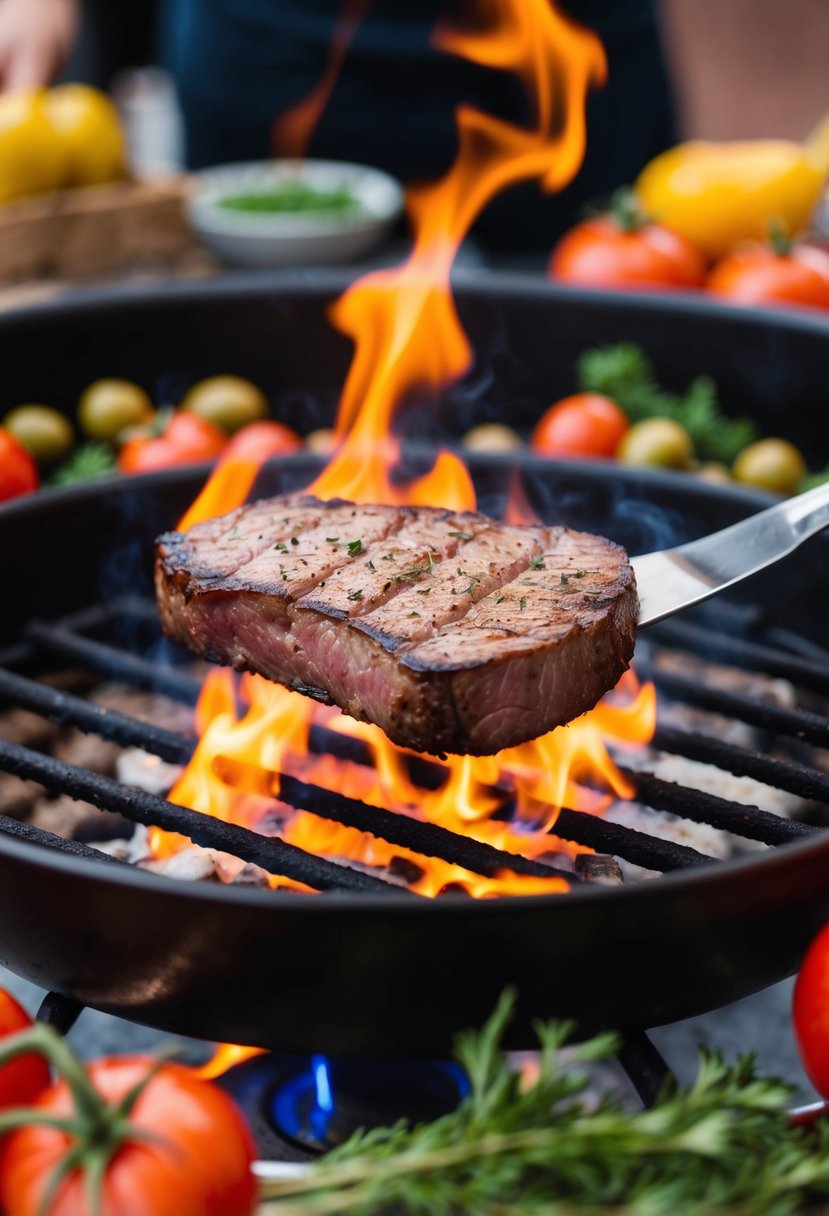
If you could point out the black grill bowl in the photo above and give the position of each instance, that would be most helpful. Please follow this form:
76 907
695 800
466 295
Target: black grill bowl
372 975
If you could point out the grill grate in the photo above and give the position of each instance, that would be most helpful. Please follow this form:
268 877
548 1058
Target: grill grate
86 639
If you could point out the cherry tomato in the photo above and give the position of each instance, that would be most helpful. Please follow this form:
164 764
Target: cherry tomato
768 274
18 472
21 1080
811 1012
586 424
195 1159
183 439
624 249
261 440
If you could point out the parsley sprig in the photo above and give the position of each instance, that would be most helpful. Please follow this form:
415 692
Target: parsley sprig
723 1148
87 462
624 373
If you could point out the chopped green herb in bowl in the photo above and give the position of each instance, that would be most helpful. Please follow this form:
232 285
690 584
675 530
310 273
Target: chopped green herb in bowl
293 213
293 196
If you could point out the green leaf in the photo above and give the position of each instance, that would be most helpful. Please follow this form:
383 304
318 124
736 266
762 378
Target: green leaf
624 373
87 462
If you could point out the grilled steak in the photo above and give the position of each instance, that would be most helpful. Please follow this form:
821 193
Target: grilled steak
452 632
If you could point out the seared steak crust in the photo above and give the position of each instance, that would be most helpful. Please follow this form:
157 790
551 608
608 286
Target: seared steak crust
451 631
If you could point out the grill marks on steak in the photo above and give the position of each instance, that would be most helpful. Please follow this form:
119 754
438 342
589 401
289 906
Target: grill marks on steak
450 631
302 553
383 567
481 559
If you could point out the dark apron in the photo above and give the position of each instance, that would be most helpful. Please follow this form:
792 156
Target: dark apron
241 63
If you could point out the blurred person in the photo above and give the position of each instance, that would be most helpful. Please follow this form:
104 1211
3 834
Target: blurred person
239 64
91 39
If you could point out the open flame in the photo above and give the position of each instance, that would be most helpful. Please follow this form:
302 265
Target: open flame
403 321
226 1055
294 129
408 338
235 775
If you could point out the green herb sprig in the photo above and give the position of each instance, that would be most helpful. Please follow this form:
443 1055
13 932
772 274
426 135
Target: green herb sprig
88 462
624 373
723 1148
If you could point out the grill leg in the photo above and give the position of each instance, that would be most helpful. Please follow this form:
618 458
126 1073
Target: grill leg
644 1066
60 1012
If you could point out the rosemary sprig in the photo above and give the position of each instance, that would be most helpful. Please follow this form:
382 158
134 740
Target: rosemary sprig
723 1148
624 373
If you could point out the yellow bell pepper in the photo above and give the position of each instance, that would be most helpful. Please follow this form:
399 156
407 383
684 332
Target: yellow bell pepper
717 194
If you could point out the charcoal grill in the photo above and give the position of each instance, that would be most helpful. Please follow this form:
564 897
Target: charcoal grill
364 967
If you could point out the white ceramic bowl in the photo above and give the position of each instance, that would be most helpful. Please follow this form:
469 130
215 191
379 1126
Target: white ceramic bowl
247 238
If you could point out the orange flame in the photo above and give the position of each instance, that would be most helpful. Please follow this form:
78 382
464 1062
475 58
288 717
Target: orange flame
226 1055
294 129
236 771
227 487
408 339
403 321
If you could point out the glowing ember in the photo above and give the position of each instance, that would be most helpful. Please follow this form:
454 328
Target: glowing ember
408 337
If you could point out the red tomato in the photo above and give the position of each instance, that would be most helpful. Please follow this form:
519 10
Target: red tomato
586 424
21 1080
195 1163
624 249
761 274
259 441
185 439
18 472
811 1012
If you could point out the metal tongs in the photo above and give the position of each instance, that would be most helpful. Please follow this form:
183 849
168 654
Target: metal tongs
677 578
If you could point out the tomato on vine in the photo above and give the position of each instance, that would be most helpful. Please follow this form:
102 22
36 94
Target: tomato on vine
811 1012
22 1079
123 1137
624 248
774 272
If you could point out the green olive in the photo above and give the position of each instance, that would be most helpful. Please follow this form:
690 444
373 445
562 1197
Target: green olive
46 434
229 402
492 437
771 464
657 441
109 407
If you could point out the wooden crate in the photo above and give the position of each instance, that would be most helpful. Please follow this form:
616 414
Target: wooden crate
94 231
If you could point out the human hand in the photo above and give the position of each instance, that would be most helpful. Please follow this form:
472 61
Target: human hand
36 37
